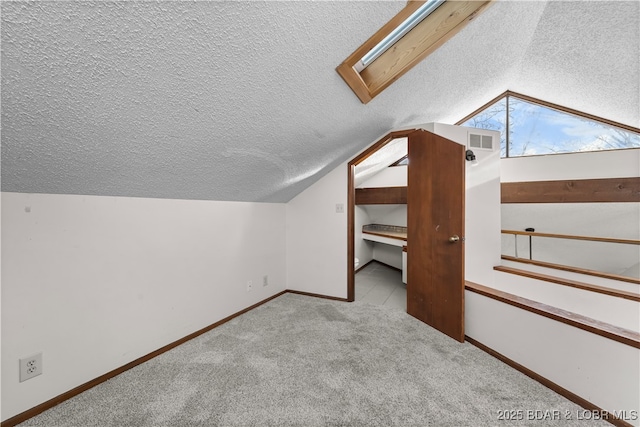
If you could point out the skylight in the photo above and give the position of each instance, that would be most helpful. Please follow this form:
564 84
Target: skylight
407 25
532 127
414 33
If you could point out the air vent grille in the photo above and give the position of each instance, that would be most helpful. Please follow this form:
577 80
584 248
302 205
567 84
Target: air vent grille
482 142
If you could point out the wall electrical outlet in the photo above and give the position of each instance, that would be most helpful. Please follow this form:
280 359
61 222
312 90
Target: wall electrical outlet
249 286
339 208
30 367
265 280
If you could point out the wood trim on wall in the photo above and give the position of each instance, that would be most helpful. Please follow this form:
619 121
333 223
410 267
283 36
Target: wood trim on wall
364 265
311 294
482 107
381 143
572 191
351 233
621 335
381 196
550 384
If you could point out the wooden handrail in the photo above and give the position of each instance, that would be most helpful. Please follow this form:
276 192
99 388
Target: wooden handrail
568 236
633 296
571 269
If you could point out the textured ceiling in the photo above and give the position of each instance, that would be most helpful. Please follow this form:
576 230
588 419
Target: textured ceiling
241 101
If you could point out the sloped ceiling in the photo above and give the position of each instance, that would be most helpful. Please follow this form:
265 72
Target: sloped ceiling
241 101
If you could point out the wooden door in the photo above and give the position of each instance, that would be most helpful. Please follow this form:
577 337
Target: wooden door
435 231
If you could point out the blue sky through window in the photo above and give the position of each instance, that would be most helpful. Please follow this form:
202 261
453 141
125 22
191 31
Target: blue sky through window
535 129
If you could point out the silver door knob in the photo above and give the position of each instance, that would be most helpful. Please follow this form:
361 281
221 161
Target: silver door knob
454 238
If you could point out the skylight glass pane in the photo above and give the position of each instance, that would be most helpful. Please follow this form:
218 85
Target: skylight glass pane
492 118
535 129
407 25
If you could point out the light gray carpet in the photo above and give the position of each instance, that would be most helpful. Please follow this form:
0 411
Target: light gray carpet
303 361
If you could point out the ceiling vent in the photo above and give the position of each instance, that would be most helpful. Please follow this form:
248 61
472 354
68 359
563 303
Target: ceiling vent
481 142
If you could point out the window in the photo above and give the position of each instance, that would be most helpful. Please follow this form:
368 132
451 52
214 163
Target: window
402 161
530 127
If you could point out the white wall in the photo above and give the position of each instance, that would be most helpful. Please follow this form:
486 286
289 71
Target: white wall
387 214
388 254
363 249
600 370
614 220
395 176
317 237
96 282
590 165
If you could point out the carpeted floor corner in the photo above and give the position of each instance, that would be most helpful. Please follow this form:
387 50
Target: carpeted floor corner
303 361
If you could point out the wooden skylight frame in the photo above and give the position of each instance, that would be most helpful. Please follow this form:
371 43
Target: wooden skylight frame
441 25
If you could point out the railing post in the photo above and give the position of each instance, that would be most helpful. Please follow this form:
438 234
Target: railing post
531 230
